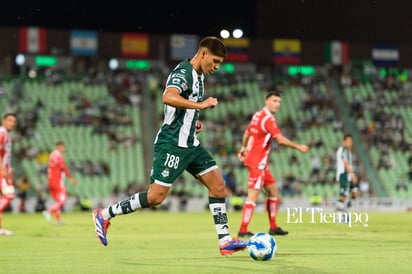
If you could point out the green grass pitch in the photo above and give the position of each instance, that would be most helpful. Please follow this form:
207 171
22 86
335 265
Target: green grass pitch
166 242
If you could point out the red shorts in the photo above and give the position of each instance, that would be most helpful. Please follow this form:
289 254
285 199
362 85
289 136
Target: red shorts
258 178
6 187
58 194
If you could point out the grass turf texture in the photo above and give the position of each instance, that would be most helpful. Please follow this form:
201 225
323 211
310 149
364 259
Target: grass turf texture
164 242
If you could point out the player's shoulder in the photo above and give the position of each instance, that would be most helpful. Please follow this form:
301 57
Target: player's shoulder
183 68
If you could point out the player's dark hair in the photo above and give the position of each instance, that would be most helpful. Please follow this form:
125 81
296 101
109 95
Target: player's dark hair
347 135
215 45
272 93
59 143
8 114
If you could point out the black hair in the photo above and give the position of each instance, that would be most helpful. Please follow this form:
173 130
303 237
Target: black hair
272 93
9 114
347 135
215 45
59 143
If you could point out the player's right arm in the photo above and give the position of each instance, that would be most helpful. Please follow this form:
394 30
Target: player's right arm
172 97
243 150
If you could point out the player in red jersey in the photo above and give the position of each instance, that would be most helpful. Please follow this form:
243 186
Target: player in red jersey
256 145
6 172
57 173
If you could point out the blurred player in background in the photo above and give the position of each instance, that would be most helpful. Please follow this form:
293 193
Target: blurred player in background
345 175
177 148
57 173
7 193
255 151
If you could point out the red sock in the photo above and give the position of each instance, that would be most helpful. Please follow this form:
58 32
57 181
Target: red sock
5 201
56 209
272 208
247 213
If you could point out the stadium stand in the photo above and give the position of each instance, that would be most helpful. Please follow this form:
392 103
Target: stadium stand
100 128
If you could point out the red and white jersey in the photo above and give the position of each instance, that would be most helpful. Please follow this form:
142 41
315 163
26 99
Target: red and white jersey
262 129
57 170
5 148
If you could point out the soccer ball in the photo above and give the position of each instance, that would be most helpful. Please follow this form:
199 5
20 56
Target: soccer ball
262 246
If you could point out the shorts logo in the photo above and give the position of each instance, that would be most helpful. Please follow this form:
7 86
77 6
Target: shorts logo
165 173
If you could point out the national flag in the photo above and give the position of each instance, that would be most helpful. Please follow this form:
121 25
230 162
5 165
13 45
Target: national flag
286 51
135 45
83 42
337 52
183 46
385 54
237 49
32 40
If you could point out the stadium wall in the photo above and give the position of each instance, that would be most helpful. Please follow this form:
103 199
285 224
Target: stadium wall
260 51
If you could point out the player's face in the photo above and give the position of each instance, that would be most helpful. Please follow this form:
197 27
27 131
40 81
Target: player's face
210 62
9 122
348 142
273 103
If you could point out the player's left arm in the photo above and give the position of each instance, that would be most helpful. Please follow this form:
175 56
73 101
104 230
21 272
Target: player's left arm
67 172
273 128
282 140
349 170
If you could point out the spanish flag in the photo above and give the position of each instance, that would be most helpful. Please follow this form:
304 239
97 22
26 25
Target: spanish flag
135 45
286 51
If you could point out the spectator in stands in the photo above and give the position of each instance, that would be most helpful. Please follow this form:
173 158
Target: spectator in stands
23 187
293 160
401 184
364 186
177 148
315 164
410 174
40 205
256 146
230 182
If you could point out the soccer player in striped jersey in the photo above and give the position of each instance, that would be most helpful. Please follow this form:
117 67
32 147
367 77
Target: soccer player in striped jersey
345 175
255 151
177 148
7 192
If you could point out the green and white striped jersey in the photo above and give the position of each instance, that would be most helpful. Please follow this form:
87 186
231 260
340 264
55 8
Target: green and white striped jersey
179 125
342 154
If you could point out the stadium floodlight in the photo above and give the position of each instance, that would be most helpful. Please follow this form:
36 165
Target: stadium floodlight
237 33
224 33
113 64
20 59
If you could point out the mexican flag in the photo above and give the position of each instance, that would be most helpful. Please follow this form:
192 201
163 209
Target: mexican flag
337 52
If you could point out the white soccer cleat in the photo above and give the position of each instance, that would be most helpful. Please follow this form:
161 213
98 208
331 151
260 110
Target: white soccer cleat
47 215
5 232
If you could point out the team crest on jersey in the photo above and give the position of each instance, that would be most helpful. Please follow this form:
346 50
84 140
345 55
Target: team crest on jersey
165 173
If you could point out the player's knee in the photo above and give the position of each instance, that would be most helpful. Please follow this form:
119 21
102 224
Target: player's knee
155 199
217 190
